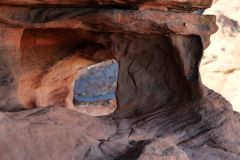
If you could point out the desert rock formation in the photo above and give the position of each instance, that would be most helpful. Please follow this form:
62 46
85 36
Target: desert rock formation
220 68
162 109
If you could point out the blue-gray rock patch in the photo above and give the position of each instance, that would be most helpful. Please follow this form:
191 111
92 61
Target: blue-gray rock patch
96 84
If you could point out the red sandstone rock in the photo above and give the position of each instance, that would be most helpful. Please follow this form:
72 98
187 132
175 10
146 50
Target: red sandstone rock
163 110
156 4
47 77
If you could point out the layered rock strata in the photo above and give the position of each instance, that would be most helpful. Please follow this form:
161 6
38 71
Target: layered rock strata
162 110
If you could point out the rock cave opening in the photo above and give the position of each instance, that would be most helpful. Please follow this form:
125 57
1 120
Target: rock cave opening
94 72
66 67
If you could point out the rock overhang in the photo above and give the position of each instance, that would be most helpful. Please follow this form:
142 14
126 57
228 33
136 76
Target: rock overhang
113 21
184 5
103 23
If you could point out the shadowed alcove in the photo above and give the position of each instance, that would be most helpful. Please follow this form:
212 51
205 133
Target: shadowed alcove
57 66
81 70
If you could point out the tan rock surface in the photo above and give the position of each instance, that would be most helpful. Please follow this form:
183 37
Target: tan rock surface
220 67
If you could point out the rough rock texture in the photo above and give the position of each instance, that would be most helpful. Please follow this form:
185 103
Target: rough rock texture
163 110
185 5
220 67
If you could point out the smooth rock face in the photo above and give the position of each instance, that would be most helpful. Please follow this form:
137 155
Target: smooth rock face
161 110
97 82
9 58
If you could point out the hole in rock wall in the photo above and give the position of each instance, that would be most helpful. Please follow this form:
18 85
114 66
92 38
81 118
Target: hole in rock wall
67 68
96 85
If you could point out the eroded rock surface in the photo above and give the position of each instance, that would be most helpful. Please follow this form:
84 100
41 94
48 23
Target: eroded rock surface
161 111
128 4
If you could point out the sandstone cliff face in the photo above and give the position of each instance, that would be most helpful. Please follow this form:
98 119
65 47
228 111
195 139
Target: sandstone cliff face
161 110
221 62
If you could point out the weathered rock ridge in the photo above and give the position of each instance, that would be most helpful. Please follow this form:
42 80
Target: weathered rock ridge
186 5
162 111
